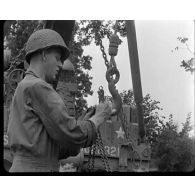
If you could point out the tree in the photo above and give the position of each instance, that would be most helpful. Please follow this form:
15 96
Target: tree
173 150
82 65
16 35
157 131
153 121
85 31
128 97
188 65
187 126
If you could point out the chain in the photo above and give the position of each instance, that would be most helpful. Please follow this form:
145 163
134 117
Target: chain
122 116
124 123
92 150
101 94
91 160
115 27
104 54
113 49
135 154
99 141
102 152
99 144
99 137
107 63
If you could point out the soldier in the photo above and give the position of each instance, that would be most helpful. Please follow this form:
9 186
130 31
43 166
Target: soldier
40 128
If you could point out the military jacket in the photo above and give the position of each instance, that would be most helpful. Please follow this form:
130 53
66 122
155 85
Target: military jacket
39 124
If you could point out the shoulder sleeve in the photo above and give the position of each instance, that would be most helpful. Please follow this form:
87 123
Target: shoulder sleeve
49 106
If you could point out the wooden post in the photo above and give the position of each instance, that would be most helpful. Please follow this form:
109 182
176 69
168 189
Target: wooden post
135 72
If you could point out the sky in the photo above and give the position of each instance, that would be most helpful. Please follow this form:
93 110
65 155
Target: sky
161 74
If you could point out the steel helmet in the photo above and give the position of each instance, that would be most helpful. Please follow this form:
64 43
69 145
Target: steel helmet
67 65
43 39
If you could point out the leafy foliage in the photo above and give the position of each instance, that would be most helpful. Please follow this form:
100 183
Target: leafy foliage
174 150
152 119
82 65
188 65
187 126
85 31
128 97
17 34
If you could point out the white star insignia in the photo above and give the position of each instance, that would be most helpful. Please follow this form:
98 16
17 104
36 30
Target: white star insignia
120 133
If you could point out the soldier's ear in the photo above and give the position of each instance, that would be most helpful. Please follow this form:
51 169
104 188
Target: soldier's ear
43 55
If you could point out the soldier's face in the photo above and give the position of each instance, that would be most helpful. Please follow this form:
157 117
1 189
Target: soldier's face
52 64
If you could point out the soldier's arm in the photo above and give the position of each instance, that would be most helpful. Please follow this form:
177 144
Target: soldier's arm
48 105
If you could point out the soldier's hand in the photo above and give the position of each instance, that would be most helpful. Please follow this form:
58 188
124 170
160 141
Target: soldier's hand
87 114
103 111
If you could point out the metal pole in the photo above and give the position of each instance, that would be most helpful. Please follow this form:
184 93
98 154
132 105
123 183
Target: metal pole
135 73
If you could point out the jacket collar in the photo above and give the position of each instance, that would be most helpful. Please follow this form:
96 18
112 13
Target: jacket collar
30 72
